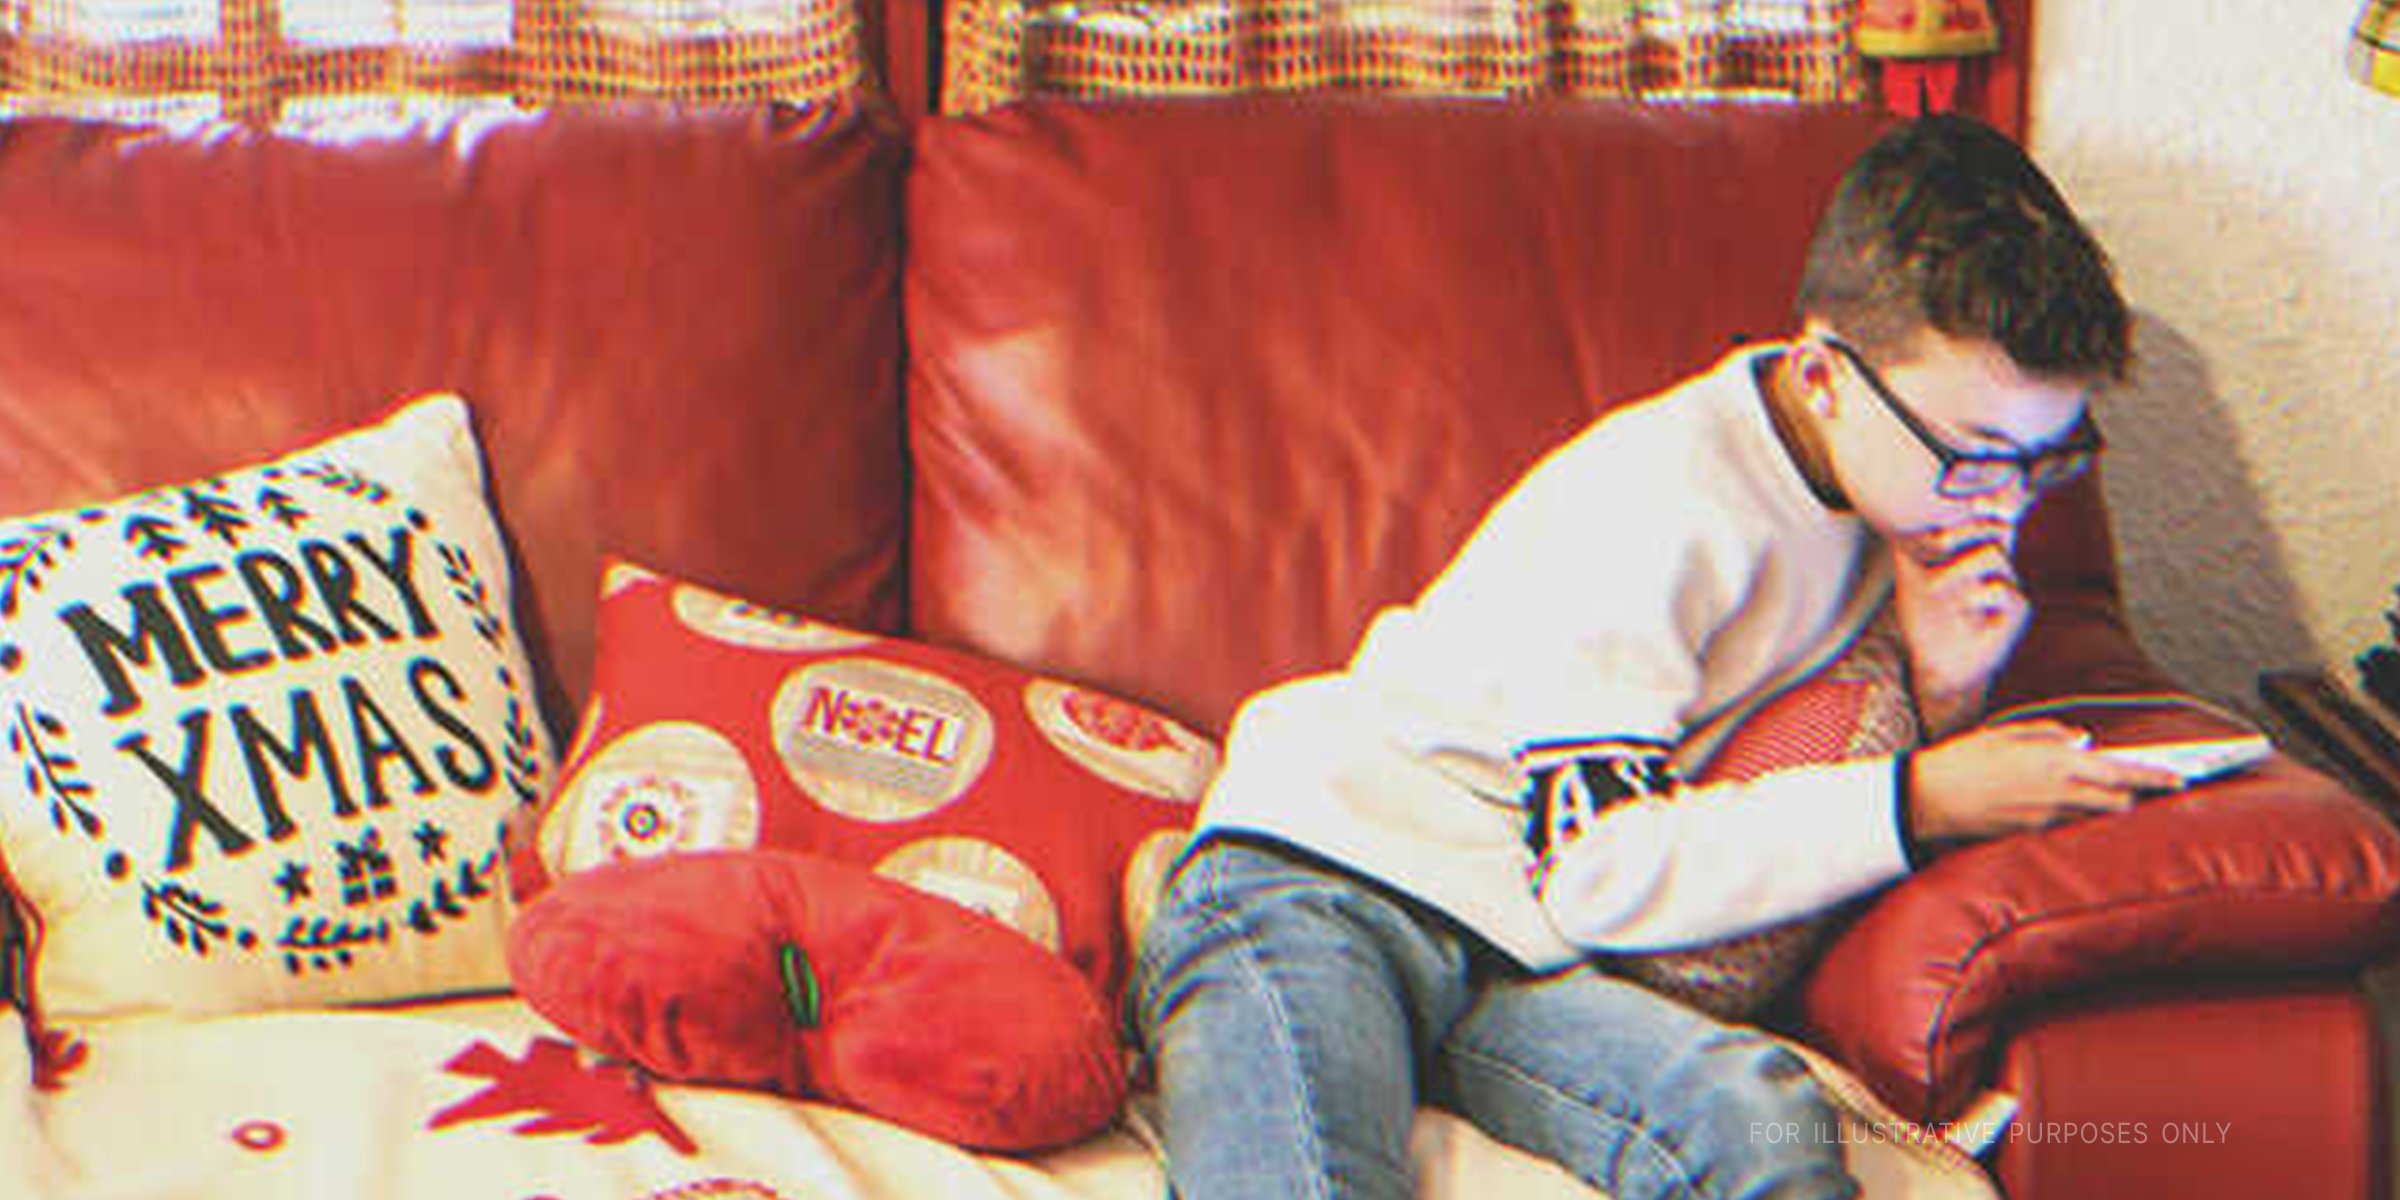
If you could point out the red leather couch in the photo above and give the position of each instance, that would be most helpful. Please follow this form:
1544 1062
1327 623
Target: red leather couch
1168 398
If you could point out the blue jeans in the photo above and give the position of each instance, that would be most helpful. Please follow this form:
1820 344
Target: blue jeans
1297 1015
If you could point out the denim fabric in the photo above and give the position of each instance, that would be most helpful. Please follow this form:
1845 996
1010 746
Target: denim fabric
1297 1015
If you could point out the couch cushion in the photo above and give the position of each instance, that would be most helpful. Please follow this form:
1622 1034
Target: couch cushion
1195 386
679 330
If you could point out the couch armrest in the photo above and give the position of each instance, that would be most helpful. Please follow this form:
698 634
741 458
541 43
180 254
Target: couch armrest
2276 869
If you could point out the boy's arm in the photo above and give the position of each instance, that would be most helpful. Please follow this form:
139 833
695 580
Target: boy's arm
1630 857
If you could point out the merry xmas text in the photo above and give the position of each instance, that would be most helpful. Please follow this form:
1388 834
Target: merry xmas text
260 609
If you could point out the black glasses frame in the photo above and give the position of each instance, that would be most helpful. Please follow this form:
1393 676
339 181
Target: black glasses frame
2040 470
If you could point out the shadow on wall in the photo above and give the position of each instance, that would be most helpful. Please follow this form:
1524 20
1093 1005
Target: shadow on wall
2207 584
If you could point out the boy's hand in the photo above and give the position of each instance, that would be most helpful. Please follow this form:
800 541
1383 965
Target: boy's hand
2009 778
1960 612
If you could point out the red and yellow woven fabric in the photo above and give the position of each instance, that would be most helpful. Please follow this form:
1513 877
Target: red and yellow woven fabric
258 60
998 50
2375 46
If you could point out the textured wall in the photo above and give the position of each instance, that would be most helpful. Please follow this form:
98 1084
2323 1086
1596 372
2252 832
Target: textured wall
2250 192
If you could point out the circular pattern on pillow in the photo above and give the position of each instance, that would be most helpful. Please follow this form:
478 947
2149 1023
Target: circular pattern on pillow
877 741
667 787
977 874
741 623
818 979
1124 743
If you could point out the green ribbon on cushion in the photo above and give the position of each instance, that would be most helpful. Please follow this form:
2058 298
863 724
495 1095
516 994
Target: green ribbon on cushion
800 991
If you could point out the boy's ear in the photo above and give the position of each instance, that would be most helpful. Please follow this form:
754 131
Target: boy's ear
1812 372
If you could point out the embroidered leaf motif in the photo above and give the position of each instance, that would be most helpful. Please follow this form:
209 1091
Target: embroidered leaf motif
216 516
468 587
426 914
51 774
607 1102
325 944
520 760
24 557
192 921
336 478
152 536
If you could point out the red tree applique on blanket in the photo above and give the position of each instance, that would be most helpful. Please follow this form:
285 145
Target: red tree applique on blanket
607 1101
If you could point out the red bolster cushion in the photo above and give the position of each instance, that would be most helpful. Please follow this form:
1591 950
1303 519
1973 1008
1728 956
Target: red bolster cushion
2275 868
817 979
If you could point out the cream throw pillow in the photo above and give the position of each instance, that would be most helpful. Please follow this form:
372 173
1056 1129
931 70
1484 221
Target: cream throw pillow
264 729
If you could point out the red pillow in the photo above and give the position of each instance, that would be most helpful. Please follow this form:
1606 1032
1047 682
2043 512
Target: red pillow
816 979
2277 868
716 724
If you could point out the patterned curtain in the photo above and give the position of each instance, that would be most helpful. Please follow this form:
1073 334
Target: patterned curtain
995 51
260 60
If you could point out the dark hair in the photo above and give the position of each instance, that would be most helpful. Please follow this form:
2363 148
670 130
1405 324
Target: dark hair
1945 223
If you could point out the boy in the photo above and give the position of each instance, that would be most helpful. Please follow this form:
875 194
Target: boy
1403 863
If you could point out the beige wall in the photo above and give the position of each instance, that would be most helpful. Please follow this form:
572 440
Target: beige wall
2250 192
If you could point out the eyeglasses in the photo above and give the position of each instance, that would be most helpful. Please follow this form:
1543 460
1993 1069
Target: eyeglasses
1968 474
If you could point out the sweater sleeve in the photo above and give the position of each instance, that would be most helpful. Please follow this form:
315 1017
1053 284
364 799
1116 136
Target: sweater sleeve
1578 645
1628 858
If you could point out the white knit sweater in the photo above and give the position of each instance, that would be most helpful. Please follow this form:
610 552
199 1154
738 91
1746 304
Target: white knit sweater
1633 596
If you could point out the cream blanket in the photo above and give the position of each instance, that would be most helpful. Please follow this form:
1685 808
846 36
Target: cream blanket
483 1099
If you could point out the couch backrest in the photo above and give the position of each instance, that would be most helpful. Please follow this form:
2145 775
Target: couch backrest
1195 387
680 331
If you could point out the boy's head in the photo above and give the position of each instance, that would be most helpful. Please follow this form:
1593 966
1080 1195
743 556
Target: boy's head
1956 318
1945 224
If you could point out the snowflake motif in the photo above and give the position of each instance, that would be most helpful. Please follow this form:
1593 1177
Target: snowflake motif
652 814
